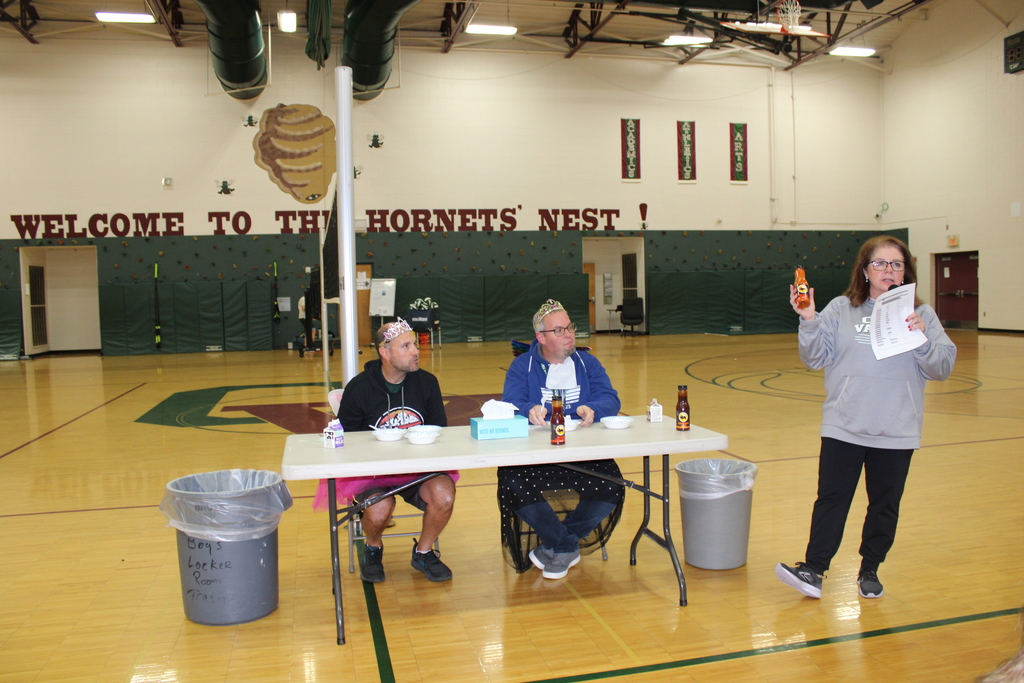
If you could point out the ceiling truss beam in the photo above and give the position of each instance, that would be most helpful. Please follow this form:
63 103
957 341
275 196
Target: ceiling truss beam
598 20
169 14
23 23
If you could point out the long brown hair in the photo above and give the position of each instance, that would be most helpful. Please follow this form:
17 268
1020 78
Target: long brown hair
859 288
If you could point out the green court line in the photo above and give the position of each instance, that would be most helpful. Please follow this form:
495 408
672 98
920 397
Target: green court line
380 639
788 647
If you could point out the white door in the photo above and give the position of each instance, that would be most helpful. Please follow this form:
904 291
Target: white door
33 301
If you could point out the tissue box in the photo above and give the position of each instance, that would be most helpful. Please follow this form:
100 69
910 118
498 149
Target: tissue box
511 428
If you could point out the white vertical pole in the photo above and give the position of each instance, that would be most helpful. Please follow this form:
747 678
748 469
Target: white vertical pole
325 346
348 326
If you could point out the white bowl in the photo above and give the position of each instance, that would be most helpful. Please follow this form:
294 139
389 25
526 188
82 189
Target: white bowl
423 429
571 424
388 434
422 438
616 421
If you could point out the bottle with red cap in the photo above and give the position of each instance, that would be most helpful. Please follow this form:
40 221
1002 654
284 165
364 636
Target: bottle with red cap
557 419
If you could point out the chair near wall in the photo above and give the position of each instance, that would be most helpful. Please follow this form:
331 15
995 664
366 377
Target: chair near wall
424 317
632 313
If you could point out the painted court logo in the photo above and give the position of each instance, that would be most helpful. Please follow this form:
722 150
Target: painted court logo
275 409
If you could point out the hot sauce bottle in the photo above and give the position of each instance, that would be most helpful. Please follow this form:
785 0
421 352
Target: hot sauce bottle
557 419
803 295
682 411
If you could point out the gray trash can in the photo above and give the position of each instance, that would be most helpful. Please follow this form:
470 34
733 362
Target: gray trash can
714 500
227 542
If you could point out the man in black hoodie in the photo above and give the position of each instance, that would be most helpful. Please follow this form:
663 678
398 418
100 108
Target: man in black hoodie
393 392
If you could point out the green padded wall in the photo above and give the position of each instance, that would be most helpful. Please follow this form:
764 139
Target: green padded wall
10 324
488 284
194 317
113 340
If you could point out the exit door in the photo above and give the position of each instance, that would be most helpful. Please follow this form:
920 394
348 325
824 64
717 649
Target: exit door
957 288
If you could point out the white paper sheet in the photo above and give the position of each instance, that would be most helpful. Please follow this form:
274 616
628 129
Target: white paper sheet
890 335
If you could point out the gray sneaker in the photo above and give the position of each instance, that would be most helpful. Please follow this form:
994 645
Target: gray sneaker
800 577
540 556
430 564
372 569
559 565
868 585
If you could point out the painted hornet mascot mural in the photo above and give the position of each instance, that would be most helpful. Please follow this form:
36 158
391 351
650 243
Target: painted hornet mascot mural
295 146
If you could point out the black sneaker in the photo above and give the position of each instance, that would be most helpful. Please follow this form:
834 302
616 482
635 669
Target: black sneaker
430 564
372 569
868 585
800 577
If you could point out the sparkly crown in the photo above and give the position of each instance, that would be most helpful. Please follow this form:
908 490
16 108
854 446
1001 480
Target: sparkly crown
394 329
549 307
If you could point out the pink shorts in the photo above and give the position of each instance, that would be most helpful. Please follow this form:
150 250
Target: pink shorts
348 489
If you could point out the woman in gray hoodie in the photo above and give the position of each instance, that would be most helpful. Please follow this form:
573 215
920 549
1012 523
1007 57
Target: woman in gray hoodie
873 412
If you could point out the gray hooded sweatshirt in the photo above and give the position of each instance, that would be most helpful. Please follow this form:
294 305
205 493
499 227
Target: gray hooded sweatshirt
870 402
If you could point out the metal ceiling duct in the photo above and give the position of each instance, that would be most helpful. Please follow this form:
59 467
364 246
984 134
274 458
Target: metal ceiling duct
236 44
371 27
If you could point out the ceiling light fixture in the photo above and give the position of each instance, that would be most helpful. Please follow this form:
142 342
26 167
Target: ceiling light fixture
125 18
852 52
486 29
686 40
287 21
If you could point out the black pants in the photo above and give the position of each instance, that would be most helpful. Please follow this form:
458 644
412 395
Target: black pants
885 475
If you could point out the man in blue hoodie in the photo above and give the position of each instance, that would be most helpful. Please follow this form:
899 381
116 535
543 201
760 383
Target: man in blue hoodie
553 362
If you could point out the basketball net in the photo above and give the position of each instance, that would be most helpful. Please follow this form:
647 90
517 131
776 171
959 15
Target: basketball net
789 15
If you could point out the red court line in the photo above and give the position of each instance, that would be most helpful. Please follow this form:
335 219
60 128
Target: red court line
64 512
18 448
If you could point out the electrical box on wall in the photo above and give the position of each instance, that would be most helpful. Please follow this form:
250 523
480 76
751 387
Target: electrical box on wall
1013 53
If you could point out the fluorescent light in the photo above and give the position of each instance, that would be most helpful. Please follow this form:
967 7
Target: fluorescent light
491 30
125 18
287 21
686 40
852 52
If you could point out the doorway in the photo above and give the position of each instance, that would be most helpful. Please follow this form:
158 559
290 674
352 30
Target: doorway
611 256
956 287
60 306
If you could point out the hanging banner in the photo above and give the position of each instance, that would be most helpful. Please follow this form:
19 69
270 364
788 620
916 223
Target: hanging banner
738 147
687 151
631 149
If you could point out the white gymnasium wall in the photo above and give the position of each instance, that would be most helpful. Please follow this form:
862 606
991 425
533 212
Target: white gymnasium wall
101 122
954 147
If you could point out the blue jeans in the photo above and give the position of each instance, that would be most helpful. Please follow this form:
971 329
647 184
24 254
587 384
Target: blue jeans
564 536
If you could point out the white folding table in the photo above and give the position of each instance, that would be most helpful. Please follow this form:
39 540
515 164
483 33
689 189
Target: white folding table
305 457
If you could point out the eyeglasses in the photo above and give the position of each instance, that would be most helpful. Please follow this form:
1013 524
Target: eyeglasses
560 331
897 266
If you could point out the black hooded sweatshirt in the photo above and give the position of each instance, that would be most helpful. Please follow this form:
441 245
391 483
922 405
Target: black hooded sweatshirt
368 401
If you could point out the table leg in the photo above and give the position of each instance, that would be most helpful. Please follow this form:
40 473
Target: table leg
332 504
664 541
666 519
644 525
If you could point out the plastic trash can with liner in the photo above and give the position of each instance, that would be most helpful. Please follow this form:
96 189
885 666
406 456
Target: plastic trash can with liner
715 498
227 542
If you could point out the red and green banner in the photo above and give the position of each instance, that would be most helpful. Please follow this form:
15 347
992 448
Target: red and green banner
631 149
686 147
738 152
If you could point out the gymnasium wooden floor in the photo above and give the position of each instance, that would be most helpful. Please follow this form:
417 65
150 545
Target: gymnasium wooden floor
91 588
